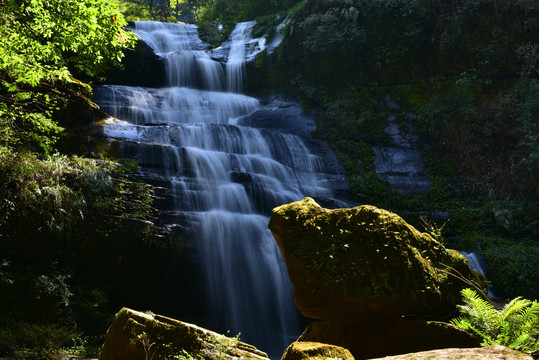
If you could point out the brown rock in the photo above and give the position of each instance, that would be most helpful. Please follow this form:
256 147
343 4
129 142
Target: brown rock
349 265
372 279
135 335
390 337
301 350
494 352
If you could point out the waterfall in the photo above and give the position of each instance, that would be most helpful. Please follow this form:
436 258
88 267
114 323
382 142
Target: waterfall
235 66
478 263
222 179
186 62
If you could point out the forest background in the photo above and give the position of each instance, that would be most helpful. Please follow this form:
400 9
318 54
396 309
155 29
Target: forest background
77 230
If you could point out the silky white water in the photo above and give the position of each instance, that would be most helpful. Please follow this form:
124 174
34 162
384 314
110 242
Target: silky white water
224 179
235 66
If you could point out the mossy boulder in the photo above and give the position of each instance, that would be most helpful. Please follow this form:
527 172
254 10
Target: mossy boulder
349 265
135 335
303 350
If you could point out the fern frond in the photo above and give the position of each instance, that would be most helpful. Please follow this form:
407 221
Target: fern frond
531 312
468 310
461 322
514 307
515 326
471 297
519 342
477 306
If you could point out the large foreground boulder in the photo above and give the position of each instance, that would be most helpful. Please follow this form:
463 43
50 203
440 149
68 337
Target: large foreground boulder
135 335
373 279
349 264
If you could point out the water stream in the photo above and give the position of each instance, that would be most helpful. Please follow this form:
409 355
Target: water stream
222 179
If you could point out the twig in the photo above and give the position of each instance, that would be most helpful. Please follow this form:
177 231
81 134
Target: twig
454 272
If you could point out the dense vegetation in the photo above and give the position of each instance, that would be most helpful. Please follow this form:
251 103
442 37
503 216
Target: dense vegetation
464 73
71 228
202 10
516 325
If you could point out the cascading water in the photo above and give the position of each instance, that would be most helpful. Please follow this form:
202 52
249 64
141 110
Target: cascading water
478 263
223 179
235 66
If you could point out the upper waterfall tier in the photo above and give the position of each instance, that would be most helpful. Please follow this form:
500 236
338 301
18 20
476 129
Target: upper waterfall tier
167 38
173 105
187 61
187 64
235 66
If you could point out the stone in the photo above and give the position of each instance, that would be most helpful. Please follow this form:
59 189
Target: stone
503 218
141 67
494 352
301 350
76 109
370 339
362 264
402 168
136 335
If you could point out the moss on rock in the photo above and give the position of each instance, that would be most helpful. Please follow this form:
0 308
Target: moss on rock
301 350
135 335
346 264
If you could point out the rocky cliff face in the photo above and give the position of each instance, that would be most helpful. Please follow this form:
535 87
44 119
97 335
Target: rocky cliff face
372 278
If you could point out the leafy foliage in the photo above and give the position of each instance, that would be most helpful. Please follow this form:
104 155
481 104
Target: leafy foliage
66 225
134 11
158 10
36 341
25 119
241 10
464 74
41 39
516 325
41 42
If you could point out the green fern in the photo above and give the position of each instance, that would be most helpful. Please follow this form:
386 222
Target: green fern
515 326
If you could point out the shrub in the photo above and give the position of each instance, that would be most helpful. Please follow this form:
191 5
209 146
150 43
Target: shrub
516 325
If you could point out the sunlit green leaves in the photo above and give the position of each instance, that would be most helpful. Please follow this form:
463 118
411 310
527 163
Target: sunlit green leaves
40 38
516 325
40 42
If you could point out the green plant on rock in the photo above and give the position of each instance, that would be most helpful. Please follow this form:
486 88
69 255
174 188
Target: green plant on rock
515 326
154 346
185 355
433 229
224 344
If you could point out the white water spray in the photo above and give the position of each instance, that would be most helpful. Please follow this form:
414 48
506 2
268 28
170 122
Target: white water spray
224 179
